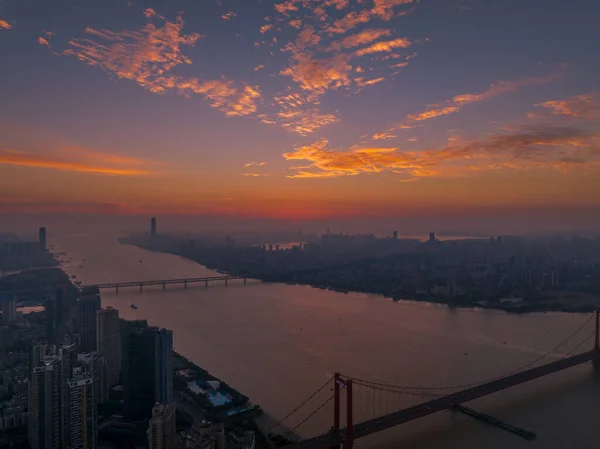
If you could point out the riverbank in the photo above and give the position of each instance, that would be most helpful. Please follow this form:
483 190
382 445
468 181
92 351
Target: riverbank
548 301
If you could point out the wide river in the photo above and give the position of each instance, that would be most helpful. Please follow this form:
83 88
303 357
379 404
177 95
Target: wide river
277 343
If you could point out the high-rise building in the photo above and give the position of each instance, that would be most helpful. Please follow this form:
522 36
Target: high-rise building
82 405
94 365
153 226
67 352
161 429
218 435
37 354
395 234
108 343
50 307
87 305
9 308
147 370
42 239
44 405
432 236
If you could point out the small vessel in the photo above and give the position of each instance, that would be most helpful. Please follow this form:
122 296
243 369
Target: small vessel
141 261
133 306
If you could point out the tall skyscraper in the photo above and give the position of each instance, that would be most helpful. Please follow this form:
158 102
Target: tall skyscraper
108 343
395 234
94 365
44 405
147 370
432 236
50 307
153 226
68 359
161 429
42 239
9 308
87 305
37 354
82 405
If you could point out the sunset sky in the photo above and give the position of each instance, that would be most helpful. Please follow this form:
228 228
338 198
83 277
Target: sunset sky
300 108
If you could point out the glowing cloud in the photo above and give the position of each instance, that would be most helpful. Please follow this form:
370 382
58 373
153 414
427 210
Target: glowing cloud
386 46
148 55
228 16
459 101
585 106
362 38
78 160
4 25
544 147
254 164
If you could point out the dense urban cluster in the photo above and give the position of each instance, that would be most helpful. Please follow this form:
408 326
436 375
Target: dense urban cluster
504 272
75 375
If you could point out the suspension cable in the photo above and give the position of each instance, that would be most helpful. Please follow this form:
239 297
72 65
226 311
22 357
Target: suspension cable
301 405
579 345
452 387
311 415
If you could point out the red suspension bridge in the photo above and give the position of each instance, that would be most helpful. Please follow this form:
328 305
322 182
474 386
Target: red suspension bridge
342 391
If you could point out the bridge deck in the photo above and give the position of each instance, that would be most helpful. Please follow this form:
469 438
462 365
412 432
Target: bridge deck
166 281
443 403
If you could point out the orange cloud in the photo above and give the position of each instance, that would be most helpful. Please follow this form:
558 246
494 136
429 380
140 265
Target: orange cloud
362 38
361 83
386 46
228 16
4 25
78 160
385 8
144 56
349 21
147 57
43 41
383 136
459 101
319 75
548 147
584 106
254 164
265 28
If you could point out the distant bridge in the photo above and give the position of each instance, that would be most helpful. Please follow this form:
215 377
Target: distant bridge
165 282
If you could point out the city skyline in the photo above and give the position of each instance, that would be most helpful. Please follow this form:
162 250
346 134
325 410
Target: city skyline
300 109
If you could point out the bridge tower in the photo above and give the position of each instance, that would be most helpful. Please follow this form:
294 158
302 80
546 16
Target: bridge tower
340 383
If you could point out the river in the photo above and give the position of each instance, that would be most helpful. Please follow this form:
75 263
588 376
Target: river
277 343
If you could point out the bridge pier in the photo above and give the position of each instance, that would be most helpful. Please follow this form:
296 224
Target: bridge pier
244 280
140 287
206 283
225 281
117 288
164 286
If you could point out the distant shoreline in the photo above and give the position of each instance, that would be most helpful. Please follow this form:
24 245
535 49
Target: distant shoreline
568 303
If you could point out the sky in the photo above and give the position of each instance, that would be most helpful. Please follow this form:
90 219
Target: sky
302 109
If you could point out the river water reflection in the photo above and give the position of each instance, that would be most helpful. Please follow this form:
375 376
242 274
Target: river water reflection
277 343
